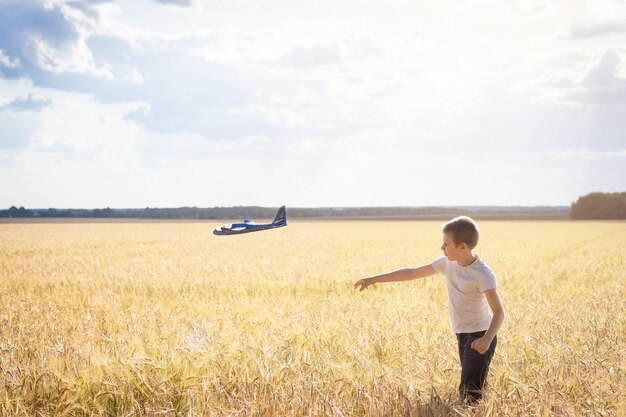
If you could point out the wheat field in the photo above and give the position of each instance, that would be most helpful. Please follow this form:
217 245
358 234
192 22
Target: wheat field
163 318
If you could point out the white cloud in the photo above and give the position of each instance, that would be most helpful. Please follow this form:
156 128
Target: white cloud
598 83
32 102
181 3
307 56
590 154
75 59
228 47
9 62
135 76
590 30
543 7
46 43
274 115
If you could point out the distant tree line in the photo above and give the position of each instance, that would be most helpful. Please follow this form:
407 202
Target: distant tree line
255 212
600 206
591 206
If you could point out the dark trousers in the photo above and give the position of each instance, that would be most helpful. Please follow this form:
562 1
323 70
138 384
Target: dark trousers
474 366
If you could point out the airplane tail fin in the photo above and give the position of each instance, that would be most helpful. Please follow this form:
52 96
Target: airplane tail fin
281 216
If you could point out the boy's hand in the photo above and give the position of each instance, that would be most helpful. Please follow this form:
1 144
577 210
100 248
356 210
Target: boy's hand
363 283
481 345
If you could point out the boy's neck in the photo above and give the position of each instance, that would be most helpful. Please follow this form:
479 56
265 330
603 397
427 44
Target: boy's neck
468 259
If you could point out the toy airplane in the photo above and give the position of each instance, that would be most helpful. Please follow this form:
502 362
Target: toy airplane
249 226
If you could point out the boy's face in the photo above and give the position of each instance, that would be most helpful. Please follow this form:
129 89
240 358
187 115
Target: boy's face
450 249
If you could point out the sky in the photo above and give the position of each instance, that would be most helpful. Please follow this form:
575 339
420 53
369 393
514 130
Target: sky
170 103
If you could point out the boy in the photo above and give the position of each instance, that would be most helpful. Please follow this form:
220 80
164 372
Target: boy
471 292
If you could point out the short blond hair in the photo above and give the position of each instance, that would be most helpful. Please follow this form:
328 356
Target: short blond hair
462 229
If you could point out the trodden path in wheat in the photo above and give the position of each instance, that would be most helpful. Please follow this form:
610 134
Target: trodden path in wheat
163 318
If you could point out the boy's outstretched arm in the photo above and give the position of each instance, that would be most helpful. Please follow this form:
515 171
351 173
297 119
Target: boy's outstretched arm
405 274
482 344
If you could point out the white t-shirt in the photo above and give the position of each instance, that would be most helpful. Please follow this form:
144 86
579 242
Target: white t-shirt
469 309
